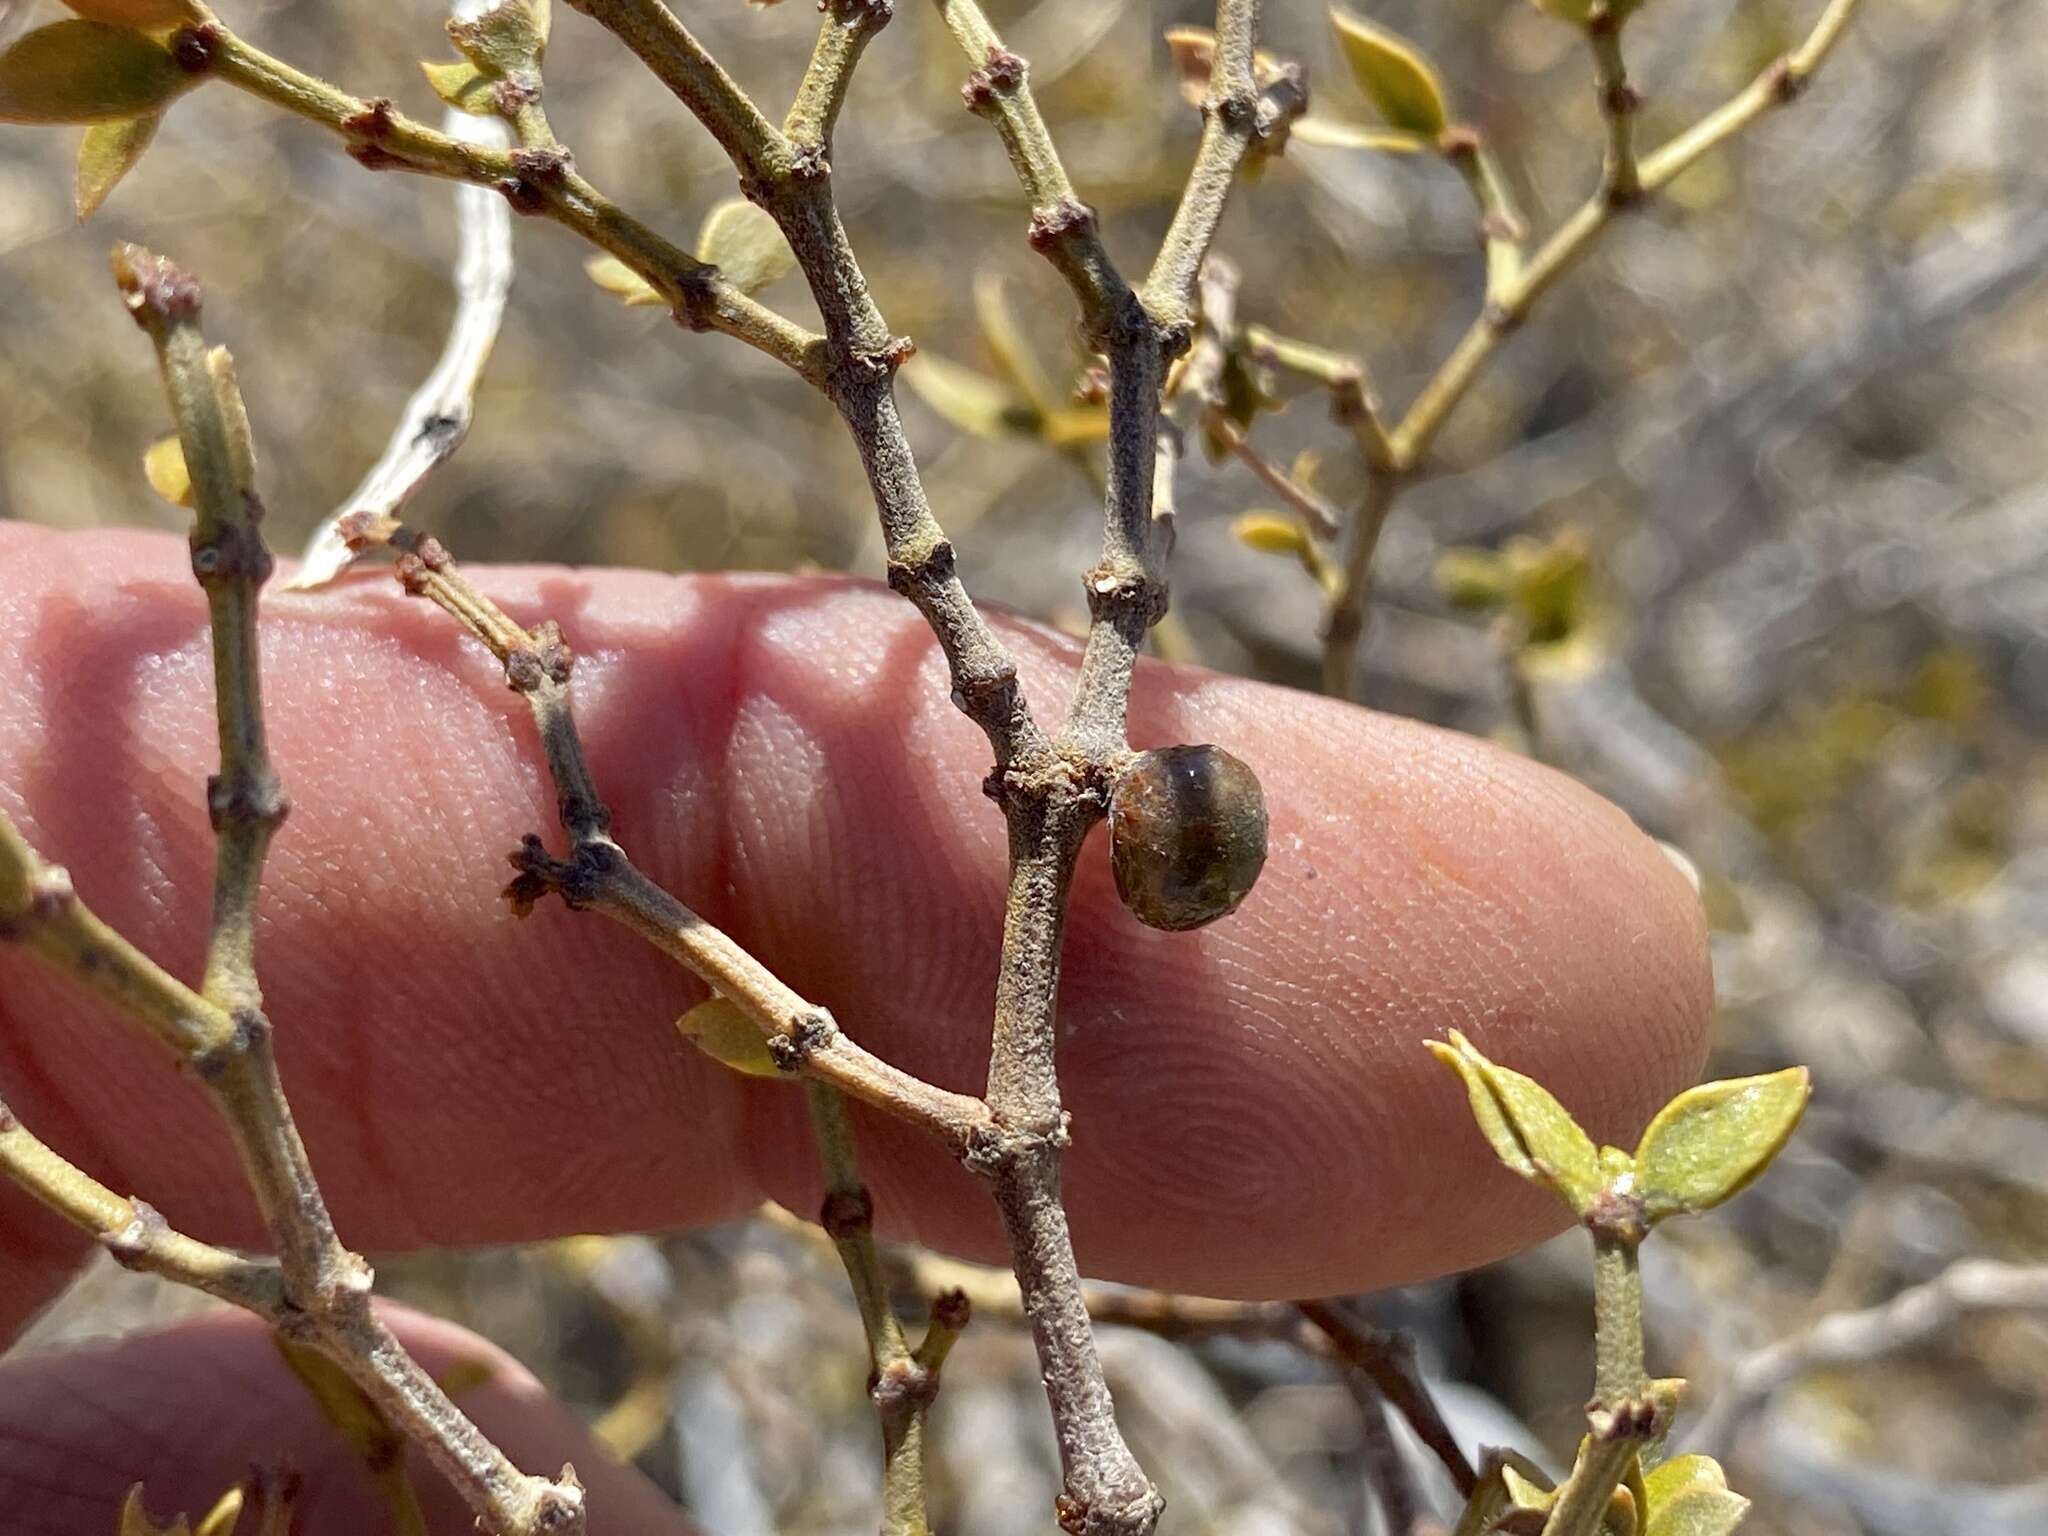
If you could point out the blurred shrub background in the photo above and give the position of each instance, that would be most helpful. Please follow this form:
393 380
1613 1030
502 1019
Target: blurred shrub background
1795 414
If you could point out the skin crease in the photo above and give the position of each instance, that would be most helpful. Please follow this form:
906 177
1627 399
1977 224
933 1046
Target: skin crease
1253 1112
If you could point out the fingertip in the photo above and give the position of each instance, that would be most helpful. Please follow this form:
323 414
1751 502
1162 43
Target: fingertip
189 1409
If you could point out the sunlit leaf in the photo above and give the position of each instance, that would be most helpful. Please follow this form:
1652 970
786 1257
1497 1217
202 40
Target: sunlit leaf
1073 426
136 13
744 243
225 1515
722 1032
1668 1479
1528 1129
466 1374
1006 342
1475 580
1396 78
1271 533
108 152
973 402
1194 56
509 38
86 72
1697 1510
614 276
135 1519
463 86
164 465
1334 133
1711 1141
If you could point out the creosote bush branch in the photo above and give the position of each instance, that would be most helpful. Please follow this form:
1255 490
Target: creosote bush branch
1397 452
1167 342
317 1293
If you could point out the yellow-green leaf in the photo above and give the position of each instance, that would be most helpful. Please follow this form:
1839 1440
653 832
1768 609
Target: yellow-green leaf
1005 338
225 1515
1334 133
136 13
1668 1479
1271 534
509 38
614 276
1074 426
135 1519
463 86
164 465
1194 56
973 402
1528 1129
722 1032
86 72
743 242
106 154
1711 1141
1396 79
1474 580
1697 1510
1194 59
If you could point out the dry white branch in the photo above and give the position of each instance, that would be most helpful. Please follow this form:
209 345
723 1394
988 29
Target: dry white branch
1912 1317
436 419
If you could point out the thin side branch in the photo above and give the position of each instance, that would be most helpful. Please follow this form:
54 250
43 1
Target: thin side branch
1387 1360
538 181
131 1231
1514 285
598 875
902 1382
849 26
1914 1317
227 1046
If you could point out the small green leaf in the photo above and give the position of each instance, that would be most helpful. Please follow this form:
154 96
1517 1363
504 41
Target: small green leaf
136 13
973 402
1528 1129
1270 533
722 1032
1194 60
1071 426
1013 355
164 467
1711 1141
86 72
1668 1479
1524 1492
1474 580
106 154
743 242
225 1515
135 1520
509 38
463 86
614 276
1194 57
1334 133
1396 78
1697 1511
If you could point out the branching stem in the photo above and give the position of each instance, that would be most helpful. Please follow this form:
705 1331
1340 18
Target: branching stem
1514 286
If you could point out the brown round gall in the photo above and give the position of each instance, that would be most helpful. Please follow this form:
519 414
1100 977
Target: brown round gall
1187 835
